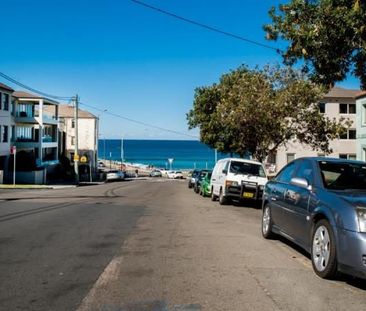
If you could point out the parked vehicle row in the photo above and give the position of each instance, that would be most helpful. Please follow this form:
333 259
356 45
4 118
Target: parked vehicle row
317 203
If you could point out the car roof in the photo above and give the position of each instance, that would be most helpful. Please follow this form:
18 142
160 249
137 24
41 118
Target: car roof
240 160
329 159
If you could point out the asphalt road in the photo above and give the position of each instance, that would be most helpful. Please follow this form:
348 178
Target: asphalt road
152 245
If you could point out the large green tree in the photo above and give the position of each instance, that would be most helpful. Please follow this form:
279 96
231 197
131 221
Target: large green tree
328 35
257 110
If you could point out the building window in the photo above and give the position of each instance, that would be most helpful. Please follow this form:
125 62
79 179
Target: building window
347 156
347 108
290 157
349 134
12 133
73 140
5 134
1 100
321 107
5 102
73 123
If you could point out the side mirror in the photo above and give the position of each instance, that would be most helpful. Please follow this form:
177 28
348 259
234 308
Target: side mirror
224 172
301 182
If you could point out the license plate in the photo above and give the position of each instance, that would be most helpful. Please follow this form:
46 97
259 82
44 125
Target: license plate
248 194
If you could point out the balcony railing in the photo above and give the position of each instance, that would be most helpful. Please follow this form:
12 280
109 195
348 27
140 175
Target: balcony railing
48 139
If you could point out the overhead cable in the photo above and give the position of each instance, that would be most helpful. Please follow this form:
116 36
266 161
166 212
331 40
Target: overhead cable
199 24
34 90
105 111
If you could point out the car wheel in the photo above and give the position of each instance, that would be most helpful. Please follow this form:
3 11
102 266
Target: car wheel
222 199
189 185
196 189
213 197
267 222
323 250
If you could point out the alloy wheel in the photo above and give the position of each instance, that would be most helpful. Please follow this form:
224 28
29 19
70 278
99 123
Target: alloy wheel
321 248
266 219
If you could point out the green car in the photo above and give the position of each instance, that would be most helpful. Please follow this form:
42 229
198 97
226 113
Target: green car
205 186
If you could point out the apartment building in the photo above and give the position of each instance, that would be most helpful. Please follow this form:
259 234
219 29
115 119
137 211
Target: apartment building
339 102
35 136
6 128
361 126
88 132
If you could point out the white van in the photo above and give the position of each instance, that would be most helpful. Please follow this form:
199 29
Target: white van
237 179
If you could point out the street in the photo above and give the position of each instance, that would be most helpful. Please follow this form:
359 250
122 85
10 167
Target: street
152 245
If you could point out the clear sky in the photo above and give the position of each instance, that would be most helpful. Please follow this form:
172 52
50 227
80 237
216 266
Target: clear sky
130 60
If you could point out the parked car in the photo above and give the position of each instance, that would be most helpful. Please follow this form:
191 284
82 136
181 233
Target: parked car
234 178
205 185
201 175
156 173
320 204
193 178
115 175
175 174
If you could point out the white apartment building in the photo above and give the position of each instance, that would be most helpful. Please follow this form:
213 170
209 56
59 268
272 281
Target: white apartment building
35 136
6 128
88 132
339 102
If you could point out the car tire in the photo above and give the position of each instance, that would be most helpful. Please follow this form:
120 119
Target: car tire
189 185
323 250
222 199
213 197
267 222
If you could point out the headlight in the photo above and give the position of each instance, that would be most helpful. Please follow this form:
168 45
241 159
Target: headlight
230 183
361 214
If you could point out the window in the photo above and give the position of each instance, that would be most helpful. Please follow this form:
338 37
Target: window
347 108
12 133
1 100
349 134
321 107
245 168
5 134
347 156
73 123
72 140
290 157
5 102
305 171
286 174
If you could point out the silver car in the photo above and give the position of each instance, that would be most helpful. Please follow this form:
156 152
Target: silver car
115 175
320 204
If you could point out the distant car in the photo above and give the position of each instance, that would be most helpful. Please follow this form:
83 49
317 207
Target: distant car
193 178
320 204
101 166
175 174
156 173
113 175
197 185
205 185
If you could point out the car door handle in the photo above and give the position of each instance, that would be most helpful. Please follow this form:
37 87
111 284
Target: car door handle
213 179
273 199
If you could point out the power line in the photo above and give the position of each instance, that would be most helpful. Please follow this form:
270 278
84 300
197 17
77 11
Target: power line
32 89
199 24
138 122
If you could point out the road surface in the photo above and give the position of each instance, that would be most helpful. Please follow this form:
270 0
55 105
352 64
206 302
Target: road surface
151 245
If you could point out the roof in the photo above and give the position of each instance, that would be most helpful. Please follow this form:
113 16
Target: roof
5 87
25 95
361 94
342 93
67 111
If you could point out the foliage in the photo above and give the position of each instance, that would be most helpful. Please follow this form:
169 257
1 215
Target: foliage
258 110
328 35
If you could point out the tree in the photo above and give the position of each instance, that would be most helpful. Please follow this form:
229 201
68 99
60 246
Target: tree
328 35
257 110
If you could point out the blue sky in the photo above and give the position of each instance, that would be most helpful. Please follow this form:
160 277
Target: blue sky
132 61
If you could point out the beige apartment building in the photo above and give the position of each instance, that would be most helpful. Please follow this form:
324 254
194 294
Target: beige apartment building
88 125
339 102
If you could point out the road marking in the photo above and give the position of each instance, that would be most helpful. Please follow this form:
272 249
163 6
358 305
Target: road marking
109 274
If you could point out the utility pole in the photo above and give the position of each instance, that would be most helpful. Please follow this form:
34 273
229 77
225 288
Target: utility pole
76 151
122 153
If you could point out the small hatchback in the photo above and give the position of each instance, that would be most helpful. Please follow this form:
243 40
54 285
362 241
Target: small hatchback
320 204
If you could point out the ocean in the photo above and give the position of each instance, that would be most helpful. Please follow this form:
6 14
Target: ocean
186 154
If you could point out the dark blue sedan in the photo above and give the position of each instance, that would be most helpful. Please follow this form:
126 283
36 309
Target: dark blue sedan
320 204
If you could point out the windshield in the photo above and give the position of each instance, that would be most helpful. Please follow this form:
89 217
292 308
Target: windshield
343 175
245 168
